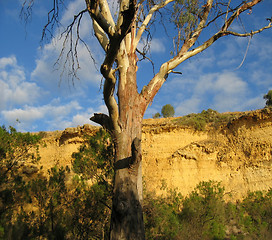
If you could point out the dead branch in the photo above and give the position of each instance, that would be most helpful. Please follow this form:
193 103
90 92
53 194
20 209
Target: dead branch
102 119
143 54
71 57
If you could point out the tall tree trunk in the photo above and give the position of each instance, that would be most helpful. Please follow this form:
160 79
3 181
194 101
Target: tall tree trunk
127 215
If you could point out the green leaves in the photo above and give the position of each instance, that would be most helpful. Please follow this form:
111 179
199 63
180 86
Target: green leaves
185 16
204 214
268 98
95 158
168 111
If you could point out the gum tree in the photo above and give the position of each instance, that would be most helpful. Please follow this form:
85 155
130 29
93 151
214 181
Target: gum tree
268 98
119 34
168 111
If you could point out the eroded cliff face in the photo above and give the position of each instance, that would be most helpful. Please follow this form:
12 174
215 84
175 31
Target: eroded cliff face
238 154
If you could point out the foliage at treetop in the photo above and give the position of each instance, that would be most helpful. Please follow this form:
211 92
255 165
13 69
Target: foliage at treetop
268 98
156 115
168 111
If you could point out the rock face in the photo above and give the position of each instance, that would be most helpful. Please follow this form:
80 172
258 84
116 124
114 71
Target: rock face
238 154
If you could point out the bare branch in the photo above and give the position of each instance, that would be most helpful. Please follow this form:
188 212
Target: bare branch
103 120
245 6
143 54
245 53
52 16
26 10
71 56
147 20
250 33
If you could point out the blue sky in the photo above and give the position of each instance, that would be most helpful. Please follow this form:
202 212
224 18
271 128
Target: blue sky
32 97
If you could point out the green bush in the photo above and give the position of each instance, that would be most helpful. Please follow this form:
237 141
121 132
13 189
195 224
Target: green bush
268 98
168 111
161 216
258 214
156 115
14 150
95 158
203 212
48 208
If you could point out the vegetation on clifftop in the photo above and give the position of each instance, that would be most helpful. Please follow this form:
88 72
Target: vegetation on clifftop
210 117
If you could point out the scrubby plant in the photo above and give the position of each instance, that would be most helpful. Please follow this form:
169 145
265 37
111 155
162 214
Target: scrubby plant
203 212
168 111
161 215
156 115
257 220
79 211
268 98
95 158
14 151
199 121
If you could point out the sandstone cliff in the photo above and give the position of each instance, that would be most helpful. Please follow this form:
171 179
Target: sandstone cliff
237 153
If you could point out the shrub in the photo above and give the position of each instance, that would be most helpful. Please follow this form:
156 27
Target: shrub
95 158
258 211
161 216
167 111
203 213
268 98
14 150
156 115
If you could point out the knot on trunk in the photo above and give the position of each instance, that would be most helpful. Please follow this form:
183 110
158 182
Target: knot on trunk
136 153
122 207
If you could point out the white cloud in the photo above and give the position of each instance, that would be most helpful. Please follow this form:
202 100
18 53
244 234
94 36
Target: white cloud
55 115
156 46
229 84
54 112
23 115
261 47
7 61
15 90
221 91
188 106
